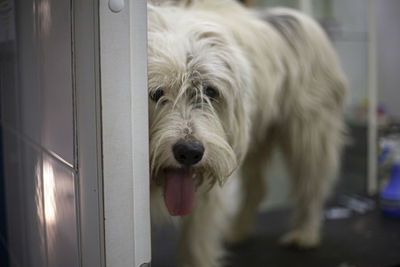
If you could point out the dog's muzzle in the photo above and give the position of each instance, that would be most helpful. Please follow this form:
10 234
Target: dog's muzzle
179 189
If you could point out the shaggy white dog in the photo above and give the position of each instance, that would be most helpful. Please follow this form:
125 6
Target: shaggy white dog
225 88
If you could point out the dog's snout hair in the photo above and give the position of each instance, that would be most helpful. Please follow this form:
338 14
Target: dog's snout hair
182 133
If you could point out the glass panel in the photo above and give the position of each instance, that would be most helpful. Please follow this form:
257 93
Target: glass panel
38 199
24 204
56 78
30 98
60 214
45 79
31 170
40 210
13 193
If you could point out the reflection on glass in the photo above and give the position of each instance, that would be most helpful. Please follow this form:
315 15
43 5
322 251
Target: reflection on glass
43 12
49 193
38 192
59 214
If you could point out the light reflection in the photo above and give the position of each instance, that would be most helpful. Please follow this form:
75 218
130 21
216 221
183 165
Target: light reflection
39 206
45 14
55 204
43 10
49 193
38 192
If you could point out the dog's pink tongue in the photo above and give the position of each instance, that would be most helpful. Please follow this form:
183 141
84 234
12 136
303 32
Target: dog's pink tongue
179 192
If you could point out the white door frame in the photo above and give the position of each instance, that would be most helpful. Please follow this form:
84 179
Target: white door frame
87 131
123 65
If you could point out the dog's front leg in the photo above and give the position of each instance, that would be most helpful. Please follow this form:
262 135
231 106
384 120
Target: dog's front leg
200 241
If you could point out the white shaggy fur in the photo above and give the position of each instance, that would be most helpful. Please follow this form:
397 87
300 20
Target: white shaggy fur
279 84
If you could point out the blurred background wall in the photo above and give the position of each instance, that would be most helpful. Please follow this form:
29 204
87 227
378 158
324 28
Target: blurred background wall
388 35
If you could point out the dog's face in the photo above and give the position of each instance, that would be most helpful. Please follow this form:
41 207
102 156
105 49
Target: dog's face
198 86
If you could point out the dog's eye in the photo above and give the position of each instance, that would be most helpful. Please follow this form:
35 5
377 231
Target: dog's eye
156 95
211 92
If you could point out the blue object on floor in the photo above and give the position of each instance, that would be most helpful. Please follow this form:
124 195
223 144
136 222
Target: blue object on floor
390 196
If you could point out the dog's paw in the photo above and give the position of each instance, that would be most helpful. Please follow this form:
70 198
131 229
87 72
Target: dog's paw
237 238
300 239
239 233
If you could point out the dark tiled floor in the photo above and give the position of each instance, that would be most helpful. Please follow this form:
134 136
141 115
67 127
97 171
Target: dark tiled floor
368 240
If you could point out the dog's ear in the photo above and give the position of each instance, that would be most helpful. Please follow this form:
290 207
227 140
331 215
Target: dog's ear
239 104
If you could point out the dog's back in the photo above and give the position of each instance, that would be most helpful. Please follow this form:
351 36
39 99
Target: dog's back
289 54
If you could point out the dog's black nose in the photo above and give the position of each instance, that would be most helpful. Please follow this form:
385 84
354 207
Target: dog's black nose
188 152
